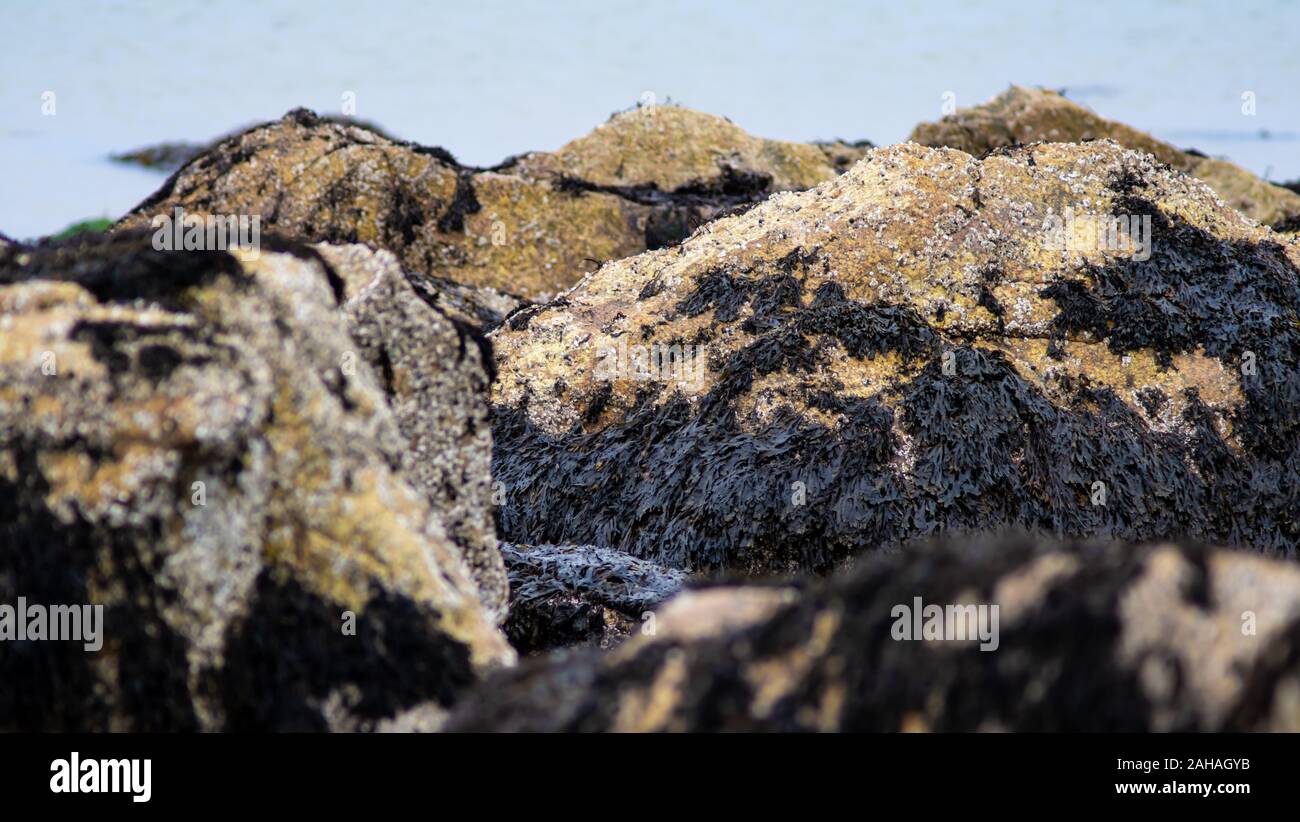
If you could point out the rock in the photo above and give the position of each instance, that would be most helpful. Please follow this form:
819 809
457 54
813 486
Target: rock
170 156
486 308
529 228
907 350
674 150
1026 115
844 155
436 370
184 440
161 157
1088 638
565 595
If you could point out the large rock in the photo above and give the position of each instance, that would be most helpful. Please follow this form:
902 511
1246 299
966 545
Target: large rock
436 370
1020 116
913 348
195 443
530 227
670 149
1086 638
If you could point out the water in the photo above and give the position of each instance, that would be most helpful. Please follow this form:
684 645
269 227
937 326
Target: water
490 79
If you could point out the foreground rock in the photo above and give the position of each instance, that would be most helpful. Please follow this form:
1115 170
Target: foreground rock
197 444
907 350
1020 116
529 228
566 595
436 371
1088 638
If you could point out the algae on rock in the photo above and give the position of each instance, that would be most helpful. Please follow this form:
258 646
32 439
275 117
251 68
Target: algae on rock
1026 115
904 351
191 440
1089 637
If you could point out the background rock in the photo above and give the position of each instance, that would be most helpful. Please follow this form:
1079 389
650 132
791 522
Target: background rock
1090 638
902 352
1020 116
198 456
530 227
565 595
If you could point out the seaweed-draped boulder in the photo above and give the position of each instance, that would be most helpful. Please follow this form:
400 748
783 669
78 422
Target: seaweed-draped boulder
929 343
1086 637
192 441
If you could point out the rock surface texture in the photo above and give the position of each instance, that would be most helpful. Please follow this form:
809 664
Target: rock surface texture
1089 638
1020 116
190 440
908 350
567 595
529 228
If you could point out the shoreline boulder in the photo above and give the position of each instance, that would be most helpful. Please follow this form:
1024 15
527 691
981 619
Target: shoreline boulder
529 227
927 344
1084 638
1022 115
185 441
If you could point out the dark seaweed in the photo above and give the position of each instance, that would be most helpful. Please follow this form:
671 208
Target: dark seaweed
986 449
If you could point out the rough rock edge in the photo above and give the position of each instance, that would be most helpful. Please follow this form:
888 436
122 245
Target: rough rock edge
1092 637
564 595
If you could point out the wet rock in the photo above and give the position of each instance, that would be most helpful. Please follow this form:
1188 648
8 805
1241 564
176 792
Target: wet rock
566 595
1020 116
184 440
1088 638
529 228
912 349
436 370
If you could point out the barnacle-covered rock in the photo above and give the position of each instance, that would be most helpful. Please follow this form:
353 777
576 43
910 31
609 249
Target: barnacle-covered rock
928 343
318 180
190 440
1084 638
436 370
1026 115
530 227
670 149
566 595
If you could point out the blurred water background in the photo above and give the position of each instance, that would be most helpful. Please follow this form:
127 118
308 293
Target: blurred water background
489 79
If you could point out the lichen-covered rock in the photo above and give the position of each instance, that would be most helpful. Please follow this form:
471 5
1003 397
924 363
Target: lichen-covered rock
566 595
530 227
436 370
1020 116
915 348
318 180
1085 638
671 149
184 440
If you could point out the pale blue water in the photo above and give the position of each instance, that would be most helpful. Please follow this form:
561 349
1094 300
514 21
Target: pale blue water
490 79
